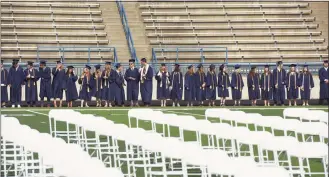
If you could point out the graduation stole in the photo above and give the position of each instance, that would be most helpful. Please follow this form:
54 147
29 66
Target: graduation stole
294 80
238 80
87 78
277 77
96 78
29 81
212 78
201 78
226 80
268 81
309 81
107 74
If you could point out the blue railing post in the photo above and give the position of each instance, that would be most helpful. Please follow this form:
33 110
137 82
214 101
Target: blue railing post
226 61
88 55
38 56
202 57
177 54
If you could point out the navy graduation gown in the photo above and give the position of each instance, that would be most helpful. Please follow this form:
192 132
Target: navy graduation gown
71 91
163 85
132 78
189 82
86 87
97 89
58 83
279 78
45 83
237 86
200 79
176 83
305 83
16 79
4 85
266 84
223 84
292 85
31 88
253 87
324 87
108 91
211 85
119 96
146 85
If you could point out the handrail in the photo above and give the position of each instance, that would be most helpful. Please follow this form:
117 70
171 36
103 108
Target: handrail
126 28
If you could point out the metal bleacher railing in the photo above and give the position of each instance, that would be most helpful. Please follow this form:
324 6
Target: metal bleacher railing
126 28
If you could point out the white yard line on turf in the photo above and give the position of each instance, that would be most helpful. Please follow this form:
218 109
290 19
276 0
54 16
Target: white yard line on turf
37 112
178 112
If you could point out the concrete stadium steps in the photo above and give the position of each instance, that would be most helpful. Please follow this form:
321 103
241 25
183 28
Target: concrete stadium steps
268 30
137 28
114 29
28 25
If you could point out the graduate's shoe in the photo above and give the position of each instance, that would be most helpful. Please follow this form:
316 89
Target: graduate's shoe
188 105
13 106
307 104
173 105
105 106
191 104
304 104
87 106
178 105
19 106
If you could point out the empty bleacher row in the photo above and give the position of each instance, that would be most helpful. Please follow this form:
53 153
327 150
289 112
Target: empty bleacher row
250 30
25 26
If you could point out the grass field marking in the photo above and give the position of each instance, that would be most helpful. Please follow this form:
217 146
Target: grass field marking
35 112
178 112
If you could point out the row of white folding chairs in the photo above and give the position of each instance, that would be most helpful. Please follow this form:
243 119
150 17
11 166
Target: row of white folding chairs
217 132
189 154
305 114
273 122
54 157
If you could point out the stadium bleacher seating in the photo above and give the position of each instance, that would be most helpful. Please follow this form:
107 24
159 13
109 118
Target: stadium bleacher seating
251 31
25 26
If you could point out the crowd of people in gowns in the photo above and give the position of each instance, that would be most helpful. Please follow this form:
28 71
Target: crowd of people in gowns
197 87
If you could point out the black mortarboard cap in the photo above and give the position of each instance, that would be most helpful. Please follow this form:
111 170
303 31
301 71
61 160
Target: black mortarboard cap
163 64
70 67
189 67
305 65
292 65
236 66
143 59
325 61
132 60
212 66
108 63
97 66
266 66
221 67
118 65
87 66
30 63
15 60
177 65
43 62
200 65
59 61
279 62
253 67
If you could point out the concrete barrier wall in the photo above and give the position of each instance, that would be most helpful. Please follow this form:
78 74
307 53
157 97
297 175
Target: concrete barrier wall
314 93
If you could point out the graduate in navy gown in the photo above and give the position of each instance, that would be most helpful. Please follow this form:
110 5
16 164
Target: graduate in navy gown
176 86
306 83
146 82
97 89
324 83
16 79
211 85
163 82
45 83
108 85
223 84
58 83
266 84
292 85
132 78
71 91
279 78
253 86
200 85
86 82
237 85
189 88
119 97
31 88
4 85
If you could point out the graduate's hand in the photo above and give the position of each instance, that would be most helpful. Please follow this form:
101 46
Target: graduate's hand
159 74
203 85
9 85
210 87
235 88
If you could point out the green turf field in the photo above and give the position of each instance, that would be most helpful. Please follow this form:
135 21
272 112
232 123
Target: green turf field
37 118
